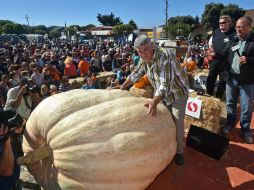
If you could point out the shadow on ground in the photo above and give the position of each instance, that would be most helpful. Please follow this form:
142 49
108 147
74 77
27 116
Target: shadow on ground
235 170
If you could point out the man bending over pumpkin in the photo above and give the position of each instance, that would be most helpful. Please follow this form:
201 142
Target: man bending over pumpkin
170 85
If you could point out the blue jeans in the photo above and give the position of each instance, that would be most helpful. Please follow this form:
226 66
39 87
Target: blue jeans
246 93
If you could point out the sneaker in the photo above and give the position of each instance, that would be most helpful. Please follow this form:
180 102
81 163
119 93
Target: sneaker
247 137
179 159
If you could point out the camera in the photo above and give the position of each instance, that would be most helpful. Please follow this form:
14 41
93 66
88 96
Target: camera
31 89
12 120
15 122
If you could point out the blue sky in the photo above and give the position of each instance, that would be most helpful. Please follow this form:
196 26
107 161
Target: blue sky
146 13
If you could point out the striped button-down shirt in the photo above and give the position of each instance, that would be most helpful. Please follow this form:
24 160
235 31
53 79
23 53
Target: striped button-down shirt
165 74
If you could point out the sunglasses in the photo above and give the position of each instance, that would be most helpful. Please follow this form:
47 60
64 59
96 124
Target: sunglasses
222 22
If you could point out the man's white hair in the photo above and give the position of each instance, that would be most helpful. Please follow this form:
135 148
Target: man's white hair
142 40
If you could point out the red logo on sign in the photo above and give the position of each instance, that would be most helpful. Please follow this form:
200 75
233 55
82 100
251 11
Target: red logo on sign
193 107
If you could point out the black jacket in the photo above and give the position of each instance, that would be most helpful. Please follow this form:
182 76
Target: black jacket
246 75
220 42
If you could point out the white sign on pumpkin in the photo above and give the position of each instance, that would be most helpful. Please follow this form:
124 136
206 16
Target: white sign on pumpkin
193 107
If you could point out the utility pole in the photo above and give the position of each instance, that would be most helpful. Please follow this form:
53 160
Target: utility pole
27 19
166 21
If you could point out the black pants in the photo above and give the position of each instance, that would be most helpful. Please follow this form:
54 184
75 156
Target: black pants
216 68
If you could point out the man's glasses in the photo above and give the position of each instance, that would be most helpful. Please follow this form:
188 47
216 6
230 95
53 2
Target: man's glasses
220 23
240 27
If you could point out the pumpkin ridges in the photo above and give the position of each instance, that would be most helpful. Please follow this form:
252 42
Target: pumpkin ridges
92 124
119 163
53 106
105 158
145 157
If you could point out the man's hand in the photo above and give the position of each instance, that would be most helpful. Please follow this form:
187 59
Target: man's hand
122 87
35 98
3 132
152 107
242 60
151 104
23 90
125 84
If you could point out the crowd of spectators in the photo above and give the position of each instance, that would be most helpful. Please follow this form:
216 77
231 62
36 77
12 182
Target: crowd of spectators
199 53
49 65
31 72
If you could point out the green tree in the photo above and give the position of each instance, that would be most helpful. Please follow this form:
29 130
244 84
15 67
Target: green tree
122 29
70 31
109 20
12 28
41 27
178 29
234 11
211 15
197 20
213 11
87 27
54 34
133 23
39 31
181 26
184 20
27 29
75 27
55 28
19 29
3 22
9 28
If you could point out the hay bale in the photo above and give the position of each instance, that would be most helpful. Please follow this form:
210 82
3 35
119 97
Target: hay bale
210 114
101 78
76 82
146 92
204 72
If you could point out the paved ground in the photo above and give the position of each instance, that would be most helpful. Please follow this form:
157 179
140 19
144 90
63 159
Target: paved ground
235 171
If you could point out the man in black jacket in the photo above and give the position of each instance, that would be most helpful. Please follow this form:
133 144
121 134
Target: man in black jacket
241 78
218 44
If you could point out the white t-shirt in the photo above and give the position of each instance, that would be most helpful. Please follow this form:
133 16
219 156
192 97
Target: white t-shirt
22 110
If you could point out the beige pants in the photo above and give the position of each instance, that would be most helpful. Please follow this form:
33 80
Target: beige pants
177 110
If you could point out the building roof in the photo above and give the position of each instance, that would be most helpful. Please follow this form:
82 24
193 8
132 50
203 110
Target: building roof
102 28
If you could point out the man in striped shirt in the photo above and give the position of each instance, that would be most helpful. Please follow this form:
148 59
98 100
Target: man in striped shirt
169 81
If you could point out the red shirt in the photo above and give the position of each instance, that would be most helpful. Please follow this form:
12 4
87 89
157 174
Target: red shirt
70 70
83 67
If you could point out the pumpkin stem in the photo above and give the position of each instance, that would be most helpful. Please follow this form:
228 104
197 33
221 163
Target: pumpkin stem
35 156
